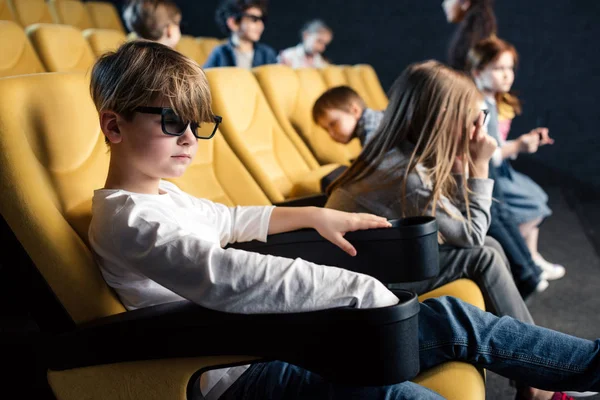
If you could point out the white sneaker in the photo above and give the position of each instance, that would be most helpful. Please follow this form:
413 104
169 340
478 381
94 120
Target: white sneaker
580 394
550 272
542 285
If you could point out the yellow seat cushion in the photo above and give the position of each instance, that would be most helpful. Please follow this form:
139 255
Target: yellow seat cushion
29 12
18 56
218 175
373 86
456 380
70 12
104 40
61 48
104 15
334 75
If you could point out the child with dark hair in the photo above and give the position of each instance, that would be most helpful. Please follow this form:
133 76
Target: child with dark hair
344 115
316 36
244 22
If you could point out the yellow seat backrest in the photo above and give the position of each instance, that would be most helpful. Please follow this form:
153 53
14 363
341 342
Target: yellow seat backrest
207 44
53 156
30 12
6 11
291 95
70 12
18 56
373 85
218 175
190 47
334 76
254 134
103 40
61 48
104 15
355 81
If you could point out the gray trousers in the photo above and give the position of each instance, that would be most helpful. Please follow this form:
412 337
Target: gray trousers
489 268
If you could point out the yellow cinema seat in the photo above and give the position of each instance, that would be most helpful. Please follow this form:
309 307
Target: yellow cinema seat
30 12
104 15
104 40
283 170
373 85
70 12
291 95
18 56
61 48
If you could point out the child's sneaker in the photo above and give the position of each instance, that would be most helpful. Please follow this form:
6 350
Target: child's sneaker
579 394
550 272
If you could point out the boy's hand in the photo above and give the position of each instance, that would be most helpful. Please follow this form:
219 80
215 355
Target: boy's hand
333 225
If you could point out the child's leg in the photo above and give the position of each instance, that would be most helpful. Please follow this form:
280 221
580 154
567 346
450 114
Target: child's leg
282 381
526 273
530 232
487 268
534 356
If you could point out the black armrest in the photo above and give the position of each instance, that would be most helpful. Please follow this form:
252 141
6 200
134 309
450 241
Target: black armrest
406 252
347 345
317 200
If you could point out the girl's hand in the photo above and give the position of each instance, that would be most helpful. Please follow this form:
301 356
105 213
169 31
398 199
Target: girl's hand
529 142
481 145
333 225
543 135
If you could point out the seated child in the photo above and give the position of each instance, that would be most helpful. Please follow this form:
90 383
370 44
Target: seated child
157 20
343 114
156 244
243 21
316 36
492 62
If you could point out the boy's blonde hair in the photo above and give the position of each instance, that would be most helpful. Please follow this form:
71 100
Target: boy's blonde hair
141 71
434 108
336 98
148 18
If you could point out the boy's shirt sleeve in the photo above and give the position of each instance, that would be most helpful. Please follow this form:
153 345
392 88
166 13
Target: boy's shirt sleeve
240 223
232 280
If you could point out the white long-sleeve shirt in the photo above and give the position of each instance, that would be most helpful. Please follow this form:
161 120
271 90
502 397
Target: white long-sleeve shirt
155 249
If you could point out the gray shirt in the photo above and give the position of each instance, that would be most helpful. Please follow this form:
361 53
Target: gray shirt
380 193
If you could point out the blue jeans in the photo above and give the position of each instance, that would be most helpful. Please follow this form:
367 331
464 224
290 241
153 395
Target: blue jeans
505 230
449 329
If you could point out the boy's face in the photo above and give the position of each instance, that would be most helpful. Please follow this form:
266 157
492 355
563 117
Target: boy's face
173 32
148 152
317 42
340 124
251 25
498 76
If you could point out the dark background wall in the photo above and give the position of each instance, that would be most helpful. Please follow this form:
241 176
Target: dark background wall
558 78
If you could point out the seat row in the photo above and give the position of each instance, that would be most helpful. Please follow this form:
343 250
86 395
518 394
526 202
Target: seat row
50 169
83 15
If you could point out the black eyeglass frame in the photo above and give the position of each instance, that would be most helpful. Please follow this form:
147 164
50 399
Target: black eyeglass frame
162 111
254 18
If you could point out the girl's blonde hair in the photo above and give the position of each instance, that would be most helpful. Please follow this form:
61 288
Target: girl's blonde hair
432 107
141 71
487 51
